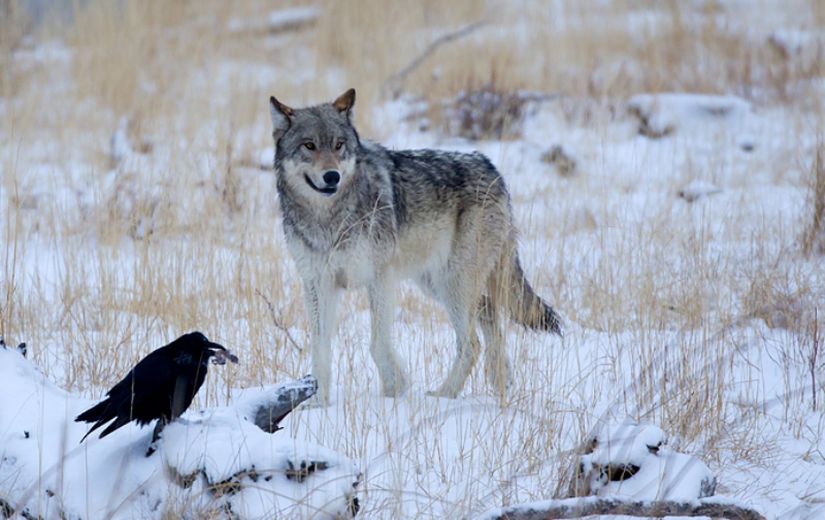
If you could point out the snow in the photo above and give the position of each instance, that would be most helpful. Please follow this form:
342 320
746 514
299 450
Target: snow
727 379
626 442
47 473
663 474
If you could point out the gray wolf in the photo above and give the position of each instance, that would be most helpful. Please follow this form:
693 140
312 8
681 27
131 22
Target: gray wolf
356 214
161 386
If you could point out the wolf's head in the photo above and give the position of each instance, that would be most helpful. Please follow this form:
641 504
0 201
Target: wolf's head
315 147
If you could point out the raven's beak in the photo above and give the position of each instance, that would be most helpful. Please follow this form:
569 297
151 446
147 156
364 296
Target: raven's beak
222 355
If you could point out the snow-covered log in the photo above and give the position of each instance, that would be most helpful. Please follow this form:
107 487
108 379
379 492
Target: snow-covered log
626 468
283 20
267 409
633 460
217 461
582 507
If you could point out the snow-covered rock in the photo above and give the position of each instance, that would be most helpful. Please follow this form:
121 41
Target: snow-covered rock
565 163
697 189
632 460
660 115
794 42
206 462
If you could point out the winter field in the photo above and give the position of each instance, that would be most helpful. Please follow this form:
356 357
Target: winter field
666 162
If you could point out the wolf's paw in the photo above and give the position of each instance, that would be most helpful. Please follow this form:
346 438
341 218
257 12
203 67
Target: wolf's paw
498 376
395 387
444 391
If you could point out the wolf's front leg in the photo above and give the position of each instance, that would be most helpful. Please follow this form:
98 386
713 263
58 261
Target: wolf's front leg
382 311
321 299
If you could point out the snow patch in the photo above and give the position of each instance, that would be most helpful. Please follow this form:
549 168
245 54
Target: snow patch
209 461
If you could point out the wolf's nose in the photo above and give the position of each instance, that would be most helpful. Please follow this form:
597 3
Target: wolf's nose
332 177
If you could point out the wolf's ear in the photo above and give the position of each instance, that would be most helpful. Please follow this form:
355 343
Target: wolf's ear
281 117
345 101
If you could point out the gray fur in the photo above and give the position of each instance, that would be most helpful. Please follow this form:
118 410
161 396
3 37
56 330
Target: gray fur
442 219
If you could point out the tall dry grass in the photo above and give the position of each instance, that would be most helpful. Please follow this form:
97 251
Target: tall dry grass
813 241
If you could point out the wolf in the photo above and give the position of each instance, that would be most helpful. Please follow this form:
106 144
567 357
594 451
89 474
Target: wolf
358 215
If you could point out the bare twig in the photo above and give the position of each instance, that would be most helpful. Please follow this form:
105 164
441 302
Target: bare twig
277 322
396 81
814 357
581 507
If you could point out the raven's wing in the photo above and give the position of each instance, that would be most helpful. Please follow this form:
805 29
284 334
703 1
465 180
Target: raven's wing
142 389
140 379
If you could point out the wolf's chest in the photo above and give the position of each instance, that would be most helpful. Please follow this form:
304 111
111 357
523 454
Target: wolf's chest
350 267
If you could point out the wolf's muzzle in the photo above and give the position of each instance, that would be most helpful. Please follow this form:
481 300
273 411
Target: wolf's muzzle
331 178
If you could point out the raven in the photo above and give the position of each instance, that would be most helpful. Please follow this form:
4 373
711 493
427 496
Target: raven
161 386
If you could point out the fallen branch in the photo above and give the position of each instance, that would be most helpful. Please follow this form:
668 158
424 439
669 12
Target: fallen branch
581 507
274 406
396 81
284 20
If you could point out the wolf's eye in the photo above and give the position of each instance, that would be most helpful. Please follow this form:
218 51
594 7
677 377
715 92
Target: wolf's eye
309 145
339 145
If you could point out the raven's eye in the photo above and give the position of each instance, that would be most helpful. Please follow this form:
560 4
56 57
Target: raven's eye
339 145
309 145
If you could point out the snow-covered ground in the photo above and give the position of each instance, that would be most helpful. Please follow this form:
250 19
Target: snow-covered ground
217 462
669 236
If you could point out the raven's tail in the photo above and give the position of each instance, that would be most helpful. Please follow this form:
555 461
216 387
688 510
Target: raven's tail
95 413
98 414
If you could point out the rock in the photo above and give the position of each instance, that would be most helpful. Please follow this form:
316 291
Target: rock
697 189
564 163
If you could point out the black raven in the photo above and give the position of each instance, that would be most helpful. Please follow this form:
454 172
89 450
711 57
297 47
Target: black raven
161 386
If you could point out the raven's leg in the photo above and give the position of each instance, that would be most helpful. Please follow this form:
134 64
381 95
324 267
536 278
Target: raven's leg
161 424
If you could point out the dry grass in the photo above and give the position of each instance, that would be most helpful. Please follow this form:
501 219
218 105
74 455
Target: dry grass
184 234
813 240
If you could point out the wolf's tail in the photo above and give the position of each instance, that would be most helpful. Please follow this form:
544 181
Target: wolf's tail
524 305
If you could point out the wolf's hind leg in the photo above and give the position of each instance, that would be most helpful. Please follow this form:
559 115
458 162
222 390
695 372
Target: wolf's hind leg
458 300
382 311
467 351
497 369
